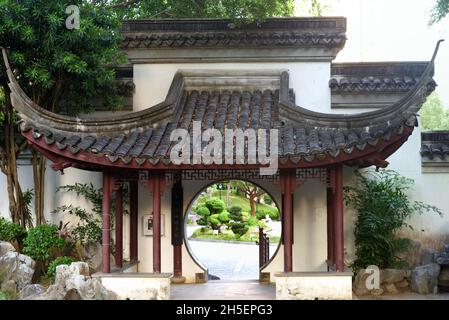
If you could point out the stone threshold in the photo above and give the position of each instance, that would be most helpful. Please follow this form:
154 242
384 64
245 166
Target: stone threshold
132 275
313 274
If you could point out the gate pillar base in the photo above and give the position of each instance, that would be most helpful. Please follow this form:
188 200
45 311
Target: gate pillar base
314 286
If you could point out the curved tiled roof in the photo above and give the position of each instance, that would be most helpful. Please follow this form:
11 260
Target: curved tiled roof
380 77
142 139
435 144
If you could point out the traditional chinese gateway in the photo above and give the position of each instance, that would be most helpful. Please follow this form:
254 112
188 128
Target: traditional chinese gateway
273 75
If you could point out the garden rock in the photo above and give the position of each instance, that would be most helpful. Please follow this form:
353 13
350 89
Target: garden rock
442 258
443 280
10 288
424 279
391 288
17 267
391 280
6 247
393 275
31 290
427 256
73 282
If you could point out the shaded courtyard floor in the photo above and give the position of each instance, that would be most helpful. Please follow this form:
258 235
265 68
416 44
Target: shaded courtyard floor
224 290
253 290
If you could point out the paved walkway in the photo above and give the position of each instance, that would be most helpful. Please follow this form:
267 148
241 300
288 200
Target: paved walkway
229 261
224 290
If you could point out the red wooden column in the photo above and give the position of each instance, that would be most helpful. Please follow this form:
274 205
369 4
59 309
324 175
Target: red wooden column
119 226
106 223
157 182
338 220
177 261
177 224
133 217
288 183
330 218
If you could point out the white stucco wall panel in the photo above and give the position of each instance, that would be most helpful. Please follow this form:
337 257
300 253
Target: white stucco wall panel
308 79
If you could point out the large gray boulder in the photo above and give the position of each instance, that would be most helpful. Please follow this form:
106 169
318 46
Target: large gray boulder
31 290
442 259
74 282
427 256
6 247
424 279
443 280
17 267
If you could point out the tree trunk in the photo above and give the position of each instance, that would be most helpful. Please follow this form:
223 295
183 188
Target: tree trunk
39 163
228 194
252 205
10 152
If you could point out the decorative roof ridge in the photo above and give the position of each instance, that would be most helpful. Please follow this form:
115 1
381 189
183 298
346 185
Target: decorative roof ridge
404 110
327 32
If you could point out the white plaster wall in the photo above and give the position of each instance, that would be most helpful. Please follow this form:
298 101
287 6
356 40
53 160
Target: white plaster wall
308 79
145 243
431 188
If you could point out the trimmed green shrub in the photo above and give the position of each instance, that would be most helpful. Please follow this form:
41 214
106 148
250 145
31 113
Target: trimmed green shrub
272 213
224 216
58 261
203 211
237 225
215 205
10 231
40 242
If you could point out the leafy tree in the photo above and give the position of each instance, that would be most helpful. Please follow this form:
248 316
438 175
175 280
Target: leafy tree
54 64
439 11
242 10
383 207
433 115
252 192
61 69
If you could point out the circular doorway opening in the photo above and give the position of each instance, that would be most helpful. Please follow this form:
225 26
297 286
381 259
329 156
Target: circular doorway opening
233 229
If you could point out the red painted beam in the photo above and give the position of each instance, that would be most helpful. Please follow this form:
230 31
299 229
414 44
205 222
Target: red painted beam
119 227
338 220
133 216
106 223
